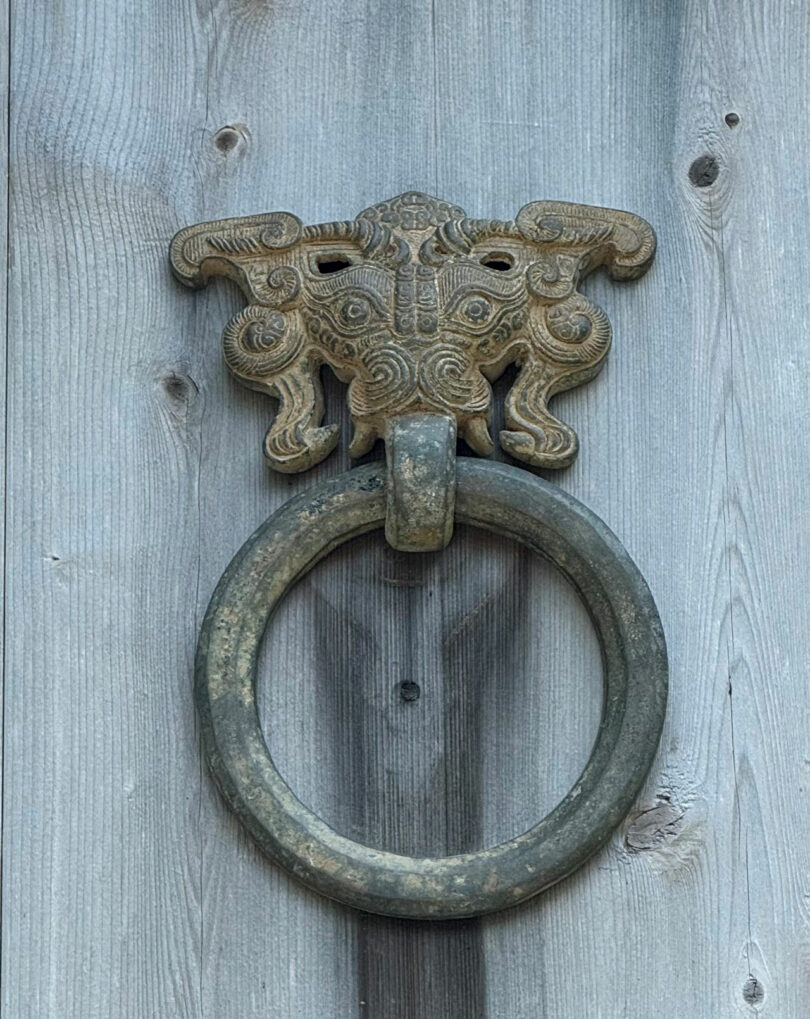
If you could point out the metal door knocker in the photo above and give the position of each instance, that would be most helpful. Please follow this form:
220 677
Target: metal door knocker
418 309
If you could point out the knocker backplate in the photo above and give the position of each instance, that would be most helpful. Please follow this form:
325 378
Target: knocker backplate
419 309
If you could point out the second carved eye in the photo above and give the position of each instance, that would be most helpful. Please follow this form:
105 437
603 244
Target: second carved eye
355 311
477 309
262 334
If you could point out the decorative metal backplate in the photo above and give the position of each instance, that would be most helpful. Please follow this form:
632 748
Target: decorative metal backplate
418 308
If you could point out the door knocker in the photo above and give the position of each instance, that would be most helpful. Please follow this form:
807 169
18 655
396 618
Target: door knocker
419 309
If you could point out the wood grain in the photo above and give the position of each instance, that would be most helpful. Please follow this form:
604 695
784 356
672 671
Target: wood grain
134 473
4 194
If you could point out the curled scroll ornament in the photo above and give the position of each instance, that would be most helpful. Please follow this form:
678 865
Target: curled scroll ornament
420 308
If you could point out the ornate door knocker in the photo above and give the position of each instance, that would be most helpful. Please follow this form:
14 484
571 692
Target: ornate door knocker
419 309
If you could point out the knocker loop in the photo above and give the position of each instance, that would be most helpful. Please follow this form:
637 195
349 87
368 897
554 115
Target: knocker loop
419 309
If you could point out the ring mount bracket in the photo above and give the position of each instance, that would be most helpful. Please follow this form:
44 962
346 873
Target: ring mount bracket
420 452
419 309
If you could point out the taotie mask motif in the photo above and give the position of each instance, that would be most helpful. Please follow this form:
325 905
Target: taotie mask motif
419 309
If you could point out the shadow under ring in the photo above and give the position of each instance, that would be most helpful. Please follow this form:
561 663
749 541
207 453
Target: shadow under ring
497 498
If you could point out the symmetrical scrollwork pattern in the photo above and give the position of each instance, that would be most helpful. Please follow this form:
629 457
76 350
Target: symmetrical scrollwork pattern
419 309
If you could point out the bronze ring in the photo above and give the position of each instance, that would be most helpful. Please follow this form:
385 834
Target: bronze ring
498 498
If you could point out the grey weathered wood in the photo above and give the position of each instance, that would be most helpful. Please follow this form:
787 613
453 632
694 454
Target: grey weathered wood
4 96
134 474
707 485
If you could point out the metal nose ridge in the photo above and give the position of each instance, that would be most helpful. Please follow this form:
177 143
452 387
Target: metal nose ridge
416 300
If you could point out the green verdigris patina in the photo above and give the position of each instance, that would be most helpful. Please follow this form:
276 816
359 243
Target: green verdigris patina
419 308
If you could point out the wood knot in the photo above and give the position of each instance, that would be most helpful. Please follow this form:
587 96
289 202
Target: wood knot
753 992
654 826
231 138
409 691
179 387
703 172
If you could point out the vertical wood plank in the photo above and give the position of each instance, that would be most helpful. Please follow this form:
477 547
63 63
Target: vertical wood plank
5 15
747 231
100 857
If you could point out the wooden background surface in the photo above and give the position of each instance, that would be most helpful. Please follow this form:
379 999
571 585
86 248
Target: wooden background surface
134 472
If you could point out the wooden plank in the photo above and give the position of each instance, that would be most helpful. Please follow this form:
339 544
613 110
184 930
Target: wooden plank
747 231
4 187
101 856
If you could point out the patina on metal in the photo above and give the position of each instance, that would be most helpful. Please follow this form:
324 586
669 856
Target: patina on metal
420 451
498 498
419 309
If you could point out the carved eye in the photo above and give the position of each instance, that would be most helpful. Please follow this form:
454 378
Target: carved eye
355 311
498 260
334 264
262 334
478 309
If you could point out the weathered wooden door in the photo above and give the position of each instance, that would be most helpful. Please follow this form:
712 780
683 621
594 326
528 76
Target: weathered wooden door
429 704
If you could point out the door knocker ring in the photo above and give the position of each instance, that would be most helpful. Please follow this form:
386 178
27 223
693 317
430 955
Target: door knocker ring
419 309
